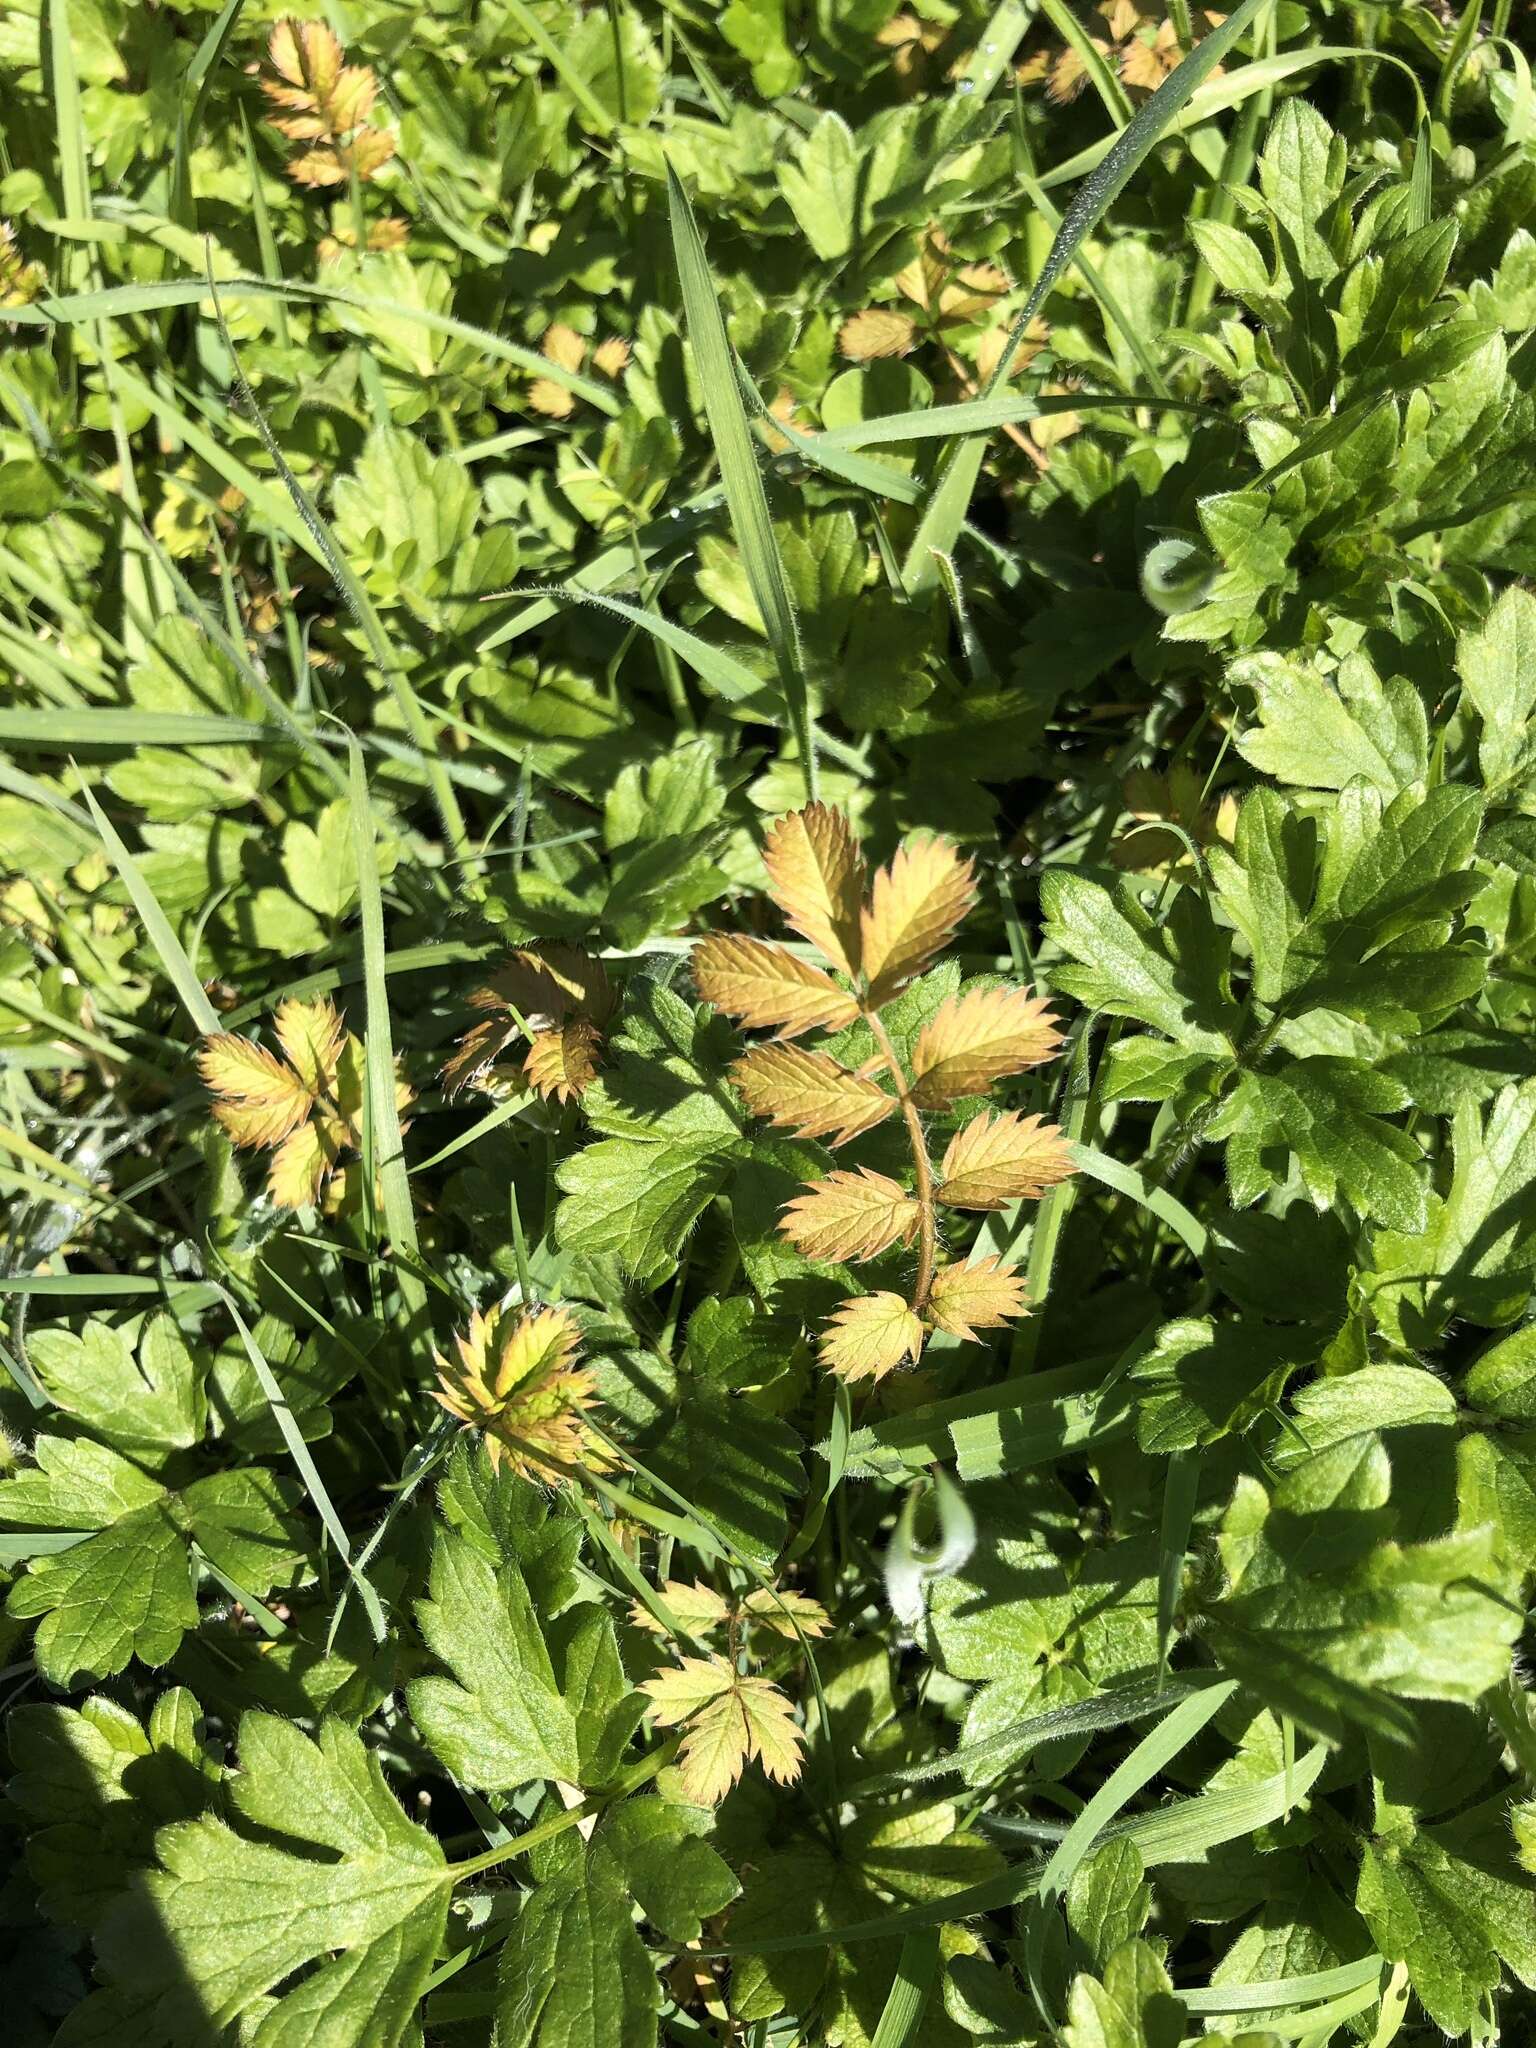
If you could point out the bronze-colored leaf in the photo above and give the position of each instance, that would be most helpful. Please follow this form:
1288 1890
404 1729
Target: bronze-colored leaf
975 1039
809 1093
765 984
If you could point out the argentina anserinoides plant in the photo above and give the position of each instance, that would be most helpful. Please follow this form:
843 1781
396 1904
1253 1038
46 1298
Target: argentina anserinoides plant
875 938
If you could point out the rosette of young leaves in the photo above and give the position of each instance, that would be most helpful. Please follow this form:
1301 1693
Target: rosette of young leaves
307 1108
558 999
519 1387
728 1715
321 100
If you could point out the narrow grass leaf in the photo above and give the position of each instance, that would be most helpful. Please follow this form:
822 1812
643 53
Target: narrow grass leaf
309 1472
384 1114
179 969
739 471
941 523
916 1967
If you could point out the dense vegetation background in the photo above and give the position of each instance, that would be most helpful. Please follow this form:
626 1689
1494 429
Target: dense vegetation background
467 470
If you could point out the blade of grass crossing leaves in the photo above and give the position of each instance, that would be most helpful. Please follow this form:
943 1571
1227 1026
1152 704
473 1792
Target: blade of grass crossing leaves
83 1285
197 81
114 301
1456 57
834 1462
22 1376
989 60
309 1472
157 926
1226 1999
1151 1755
107 726
823 452
941 523
1180 1485
362 609
1083 1717
424 1460
568 74
1125 1180
1169 1834
261 218
907 2001
1237 89
1052 1211
1089 55
199 75
74 176
739 471
1394 2007
384 1114
728 677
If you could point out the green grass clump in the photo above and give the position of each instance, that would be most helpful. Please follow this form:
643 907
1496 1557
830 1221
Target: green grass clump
767 969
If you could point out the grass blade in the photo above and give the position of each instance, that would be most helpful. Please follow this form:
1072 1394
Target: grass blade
728 677
112 302
389 1150
63 87
1151 1755
1180 1487
109 726
739 472
157 926
1011 1744
361 607
309 1472
907 2000
941 523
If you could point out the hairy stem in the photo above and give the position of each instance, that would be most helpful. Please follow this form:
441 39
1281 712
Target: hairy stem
927 1210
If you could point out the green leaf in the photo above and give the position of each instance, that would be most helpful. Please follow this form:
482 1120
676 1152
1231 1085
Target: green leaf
1203 1379
316 1870
612 53
1133 2007
183 672
1406 1404
672 1129
96 1783
126 1590
573 1972
504 1723
1320 731
1450 1903
1108 1899
673 1875
736 1465
1331 1113
1331 1621
1475 1253
1129 968
1359 923
637 1202
507 1518
152 1404
1016 1603
822 187
1497 665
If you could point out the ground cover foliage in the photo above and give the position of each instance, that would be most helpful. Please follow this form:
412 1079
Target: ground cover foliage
767 943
